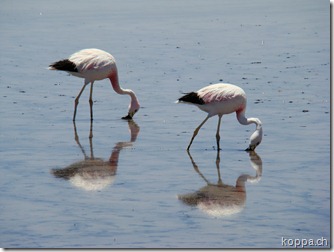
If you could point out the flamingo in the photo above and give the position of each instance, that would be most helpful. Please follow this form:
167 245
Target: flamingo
93 173
220 199
94 64
219 99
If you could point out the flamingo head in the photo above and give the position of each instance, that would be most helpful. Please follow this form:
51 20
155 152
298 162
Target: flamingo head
255 138
133 109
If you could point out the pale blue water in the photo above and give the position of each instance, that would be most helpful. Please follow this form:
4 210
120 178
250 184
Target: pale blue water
277 51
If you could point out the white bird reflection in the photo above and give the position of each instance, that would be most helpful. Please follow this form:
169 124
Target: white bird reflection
219 200
93 174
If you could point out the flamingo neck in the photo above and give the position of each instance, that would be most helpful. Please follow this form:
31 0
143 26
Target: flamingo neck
115 84
134 104
256 138
245 121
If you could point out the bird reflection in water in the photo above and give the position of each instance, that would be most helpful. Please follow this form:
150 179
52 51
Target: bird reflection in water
219 200
93 174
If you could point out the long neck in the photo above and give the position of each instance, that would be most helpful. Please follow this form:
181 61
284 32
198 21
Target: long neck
245 121
256 138
115 84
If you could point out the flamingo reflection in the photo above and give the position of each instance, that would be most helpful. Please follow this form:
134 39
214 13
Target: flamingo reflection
220 199
92 173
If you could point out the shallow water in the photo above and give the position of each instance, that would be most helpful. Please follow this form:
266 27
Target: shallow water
135 185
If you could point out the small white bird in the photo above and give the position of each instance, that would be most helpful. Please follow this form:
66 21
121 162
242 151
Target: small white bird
219 99
94 64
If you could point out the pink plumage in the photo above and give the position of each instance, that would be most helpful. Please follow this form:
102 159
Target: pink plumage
219 99
220 92
94 64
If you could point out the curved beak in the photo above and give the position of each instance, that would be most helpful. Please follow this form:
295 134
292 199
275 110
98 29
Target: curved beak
250 148
128 117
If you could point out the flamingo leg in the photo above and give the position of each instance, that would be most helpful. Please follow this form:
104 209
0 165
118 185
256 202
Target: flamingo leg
196 131
76 101
91 141
76 137
197 169
91 130
220 182
91 101
217 134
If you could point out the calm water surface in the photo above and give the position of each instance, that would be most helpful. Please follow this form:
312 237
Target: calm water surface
133 184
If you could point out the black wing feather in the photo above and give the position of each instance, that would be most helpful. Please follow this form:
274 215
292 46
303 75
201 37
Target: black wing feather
64 65
192 97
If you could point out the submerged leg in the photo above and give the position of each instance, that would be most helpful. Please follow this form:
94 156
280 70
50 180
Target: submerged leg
196 131
220 182
91 141
196 168
76 137
76 101
91 101
91 130
217 134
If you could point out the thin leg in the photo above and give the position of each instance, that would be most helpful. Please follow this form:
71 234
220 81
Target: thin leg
196 168
76 137
196 131
217 134
91 130
76 101
220 182
91 101
91 142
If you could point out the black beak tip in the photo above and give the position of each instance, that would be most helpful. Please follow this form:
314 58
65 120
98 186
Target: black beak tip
249 149
128 117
